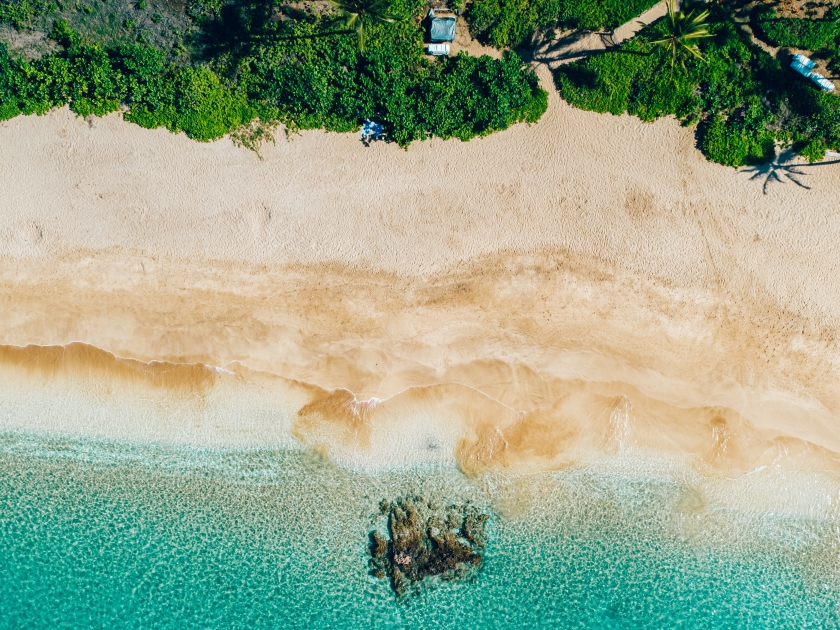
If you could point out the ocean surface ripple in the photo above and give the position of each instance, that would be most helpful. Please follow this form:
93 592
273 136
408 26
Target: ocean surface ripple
107 534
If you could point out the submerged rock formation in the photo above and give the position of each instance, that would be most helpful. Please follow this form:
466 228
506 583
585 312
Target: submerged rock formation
426 541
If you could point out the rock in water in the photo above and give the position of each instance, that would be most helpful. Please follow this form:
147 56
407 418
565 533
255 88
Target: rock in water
425 543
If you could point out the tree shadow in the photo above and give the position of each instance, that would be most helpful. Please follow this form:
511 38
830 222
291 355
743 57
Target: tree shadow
571 46
782 169
237 27
566 46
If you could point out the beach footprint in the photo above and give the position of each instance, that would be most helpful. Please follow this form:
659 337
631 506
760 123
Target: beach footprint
24 239
640 204
254 219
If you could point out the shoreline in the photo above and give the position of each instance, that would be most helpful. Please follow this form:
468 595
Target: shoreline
766 493
78 390
517 329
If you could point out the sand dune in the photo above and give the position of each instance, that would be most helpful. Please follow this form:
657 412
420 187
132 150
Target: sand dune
508 298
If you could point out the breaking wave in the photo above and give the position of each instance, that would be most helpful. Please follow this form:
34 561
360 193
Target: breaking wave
548 423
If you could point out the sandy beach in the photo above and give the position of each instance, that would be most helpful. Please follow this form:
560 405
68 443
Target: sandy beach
588 282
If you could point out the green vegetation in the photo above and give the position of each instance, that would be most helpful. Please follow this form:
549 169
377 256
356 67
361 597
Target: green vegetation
735 144
362 15
507 23
20 13
744 99
679 31
96 81
243 67
239 67
804 33
321 82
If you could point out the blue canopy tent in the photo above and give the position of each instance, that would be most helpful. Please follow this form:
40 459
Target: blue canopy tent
442 28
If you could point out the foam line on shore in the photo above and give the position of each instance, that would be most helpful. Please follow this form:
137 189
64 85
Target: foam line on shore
574 423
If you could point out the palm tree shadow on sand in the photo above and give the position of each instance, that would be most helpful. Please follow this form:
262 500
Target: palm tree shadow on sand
783 169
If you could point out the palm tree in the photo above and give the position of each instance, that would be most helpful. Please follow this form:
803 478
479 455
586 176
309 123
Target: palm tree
356 16
359 15
681 30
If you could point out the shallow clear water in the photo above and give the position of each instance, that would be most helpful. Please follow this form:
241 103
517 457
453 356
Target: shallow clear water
109 535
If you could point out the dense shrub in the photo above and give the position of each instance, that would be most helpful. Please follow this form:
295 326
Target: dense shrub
731 144
820 120
19 13
807 34
79 75
595 15
95 81
506 23
629 79
814 150
292 75
747 99
193 101
468 96
604 82
330 83
9 86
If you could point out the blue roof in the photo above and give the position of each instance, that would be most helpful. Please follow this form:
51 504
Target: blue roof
443 29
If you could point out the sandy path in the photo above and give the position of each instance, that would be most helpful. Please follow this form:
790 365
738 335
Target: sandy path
584 248
569 46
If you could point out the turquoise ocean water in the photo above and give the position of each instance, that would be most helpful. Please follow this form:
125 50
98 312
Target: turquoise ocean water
100 534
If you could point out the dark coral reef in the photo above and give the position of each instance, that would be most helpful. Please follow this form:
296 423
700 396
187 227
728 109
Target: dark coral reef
427 541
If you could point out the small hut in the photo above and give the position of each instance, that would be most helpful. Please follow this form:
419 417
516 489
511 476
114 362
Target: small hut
442 27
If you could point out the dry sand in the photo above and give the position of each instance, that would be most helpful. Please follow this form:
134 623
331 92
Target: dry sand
588 282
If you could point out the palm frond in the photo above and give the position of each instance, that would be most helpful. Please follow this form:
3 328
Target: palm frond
680 29
359 15
355 16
